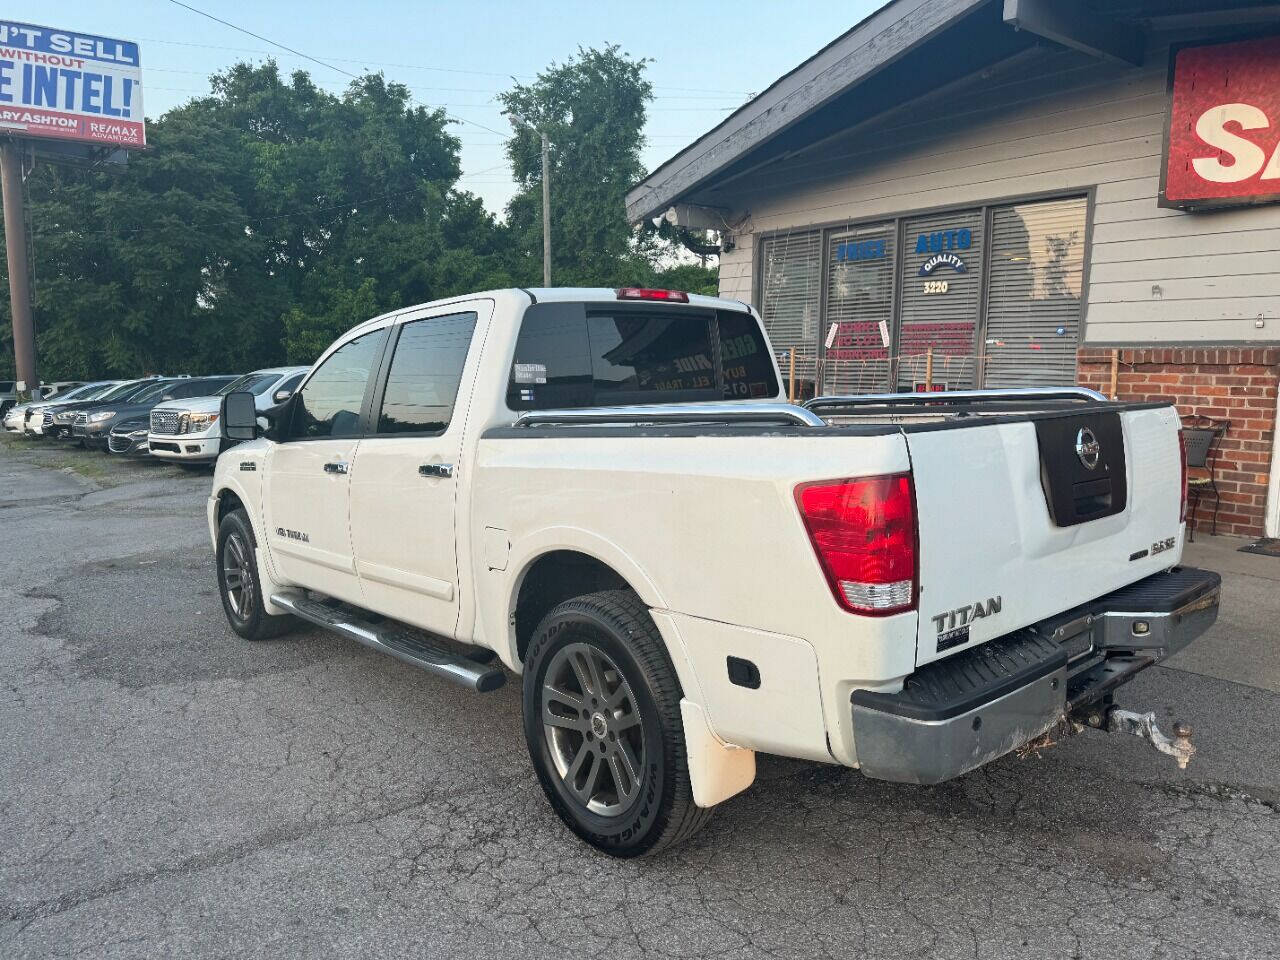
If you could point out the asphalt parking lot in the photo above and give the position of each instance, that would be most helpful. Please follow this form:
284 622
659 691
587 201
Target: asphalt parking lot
169 790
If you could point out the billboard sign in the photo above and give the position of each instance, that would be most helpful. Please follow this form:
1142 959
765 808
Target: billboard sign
1222 145
62 85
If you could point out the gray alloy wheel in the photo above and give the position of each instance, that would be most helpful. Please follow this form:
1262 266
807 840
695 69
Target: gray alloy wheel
603 725
593 729
238 582
237 578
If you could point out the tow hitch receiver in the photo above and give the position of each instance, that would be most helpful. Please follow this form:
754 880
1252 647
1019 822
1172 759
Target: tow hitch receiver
1116 720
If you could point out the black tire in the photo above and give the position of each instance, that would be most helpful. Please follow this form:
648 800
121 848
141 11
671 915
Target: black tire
238 583
634 723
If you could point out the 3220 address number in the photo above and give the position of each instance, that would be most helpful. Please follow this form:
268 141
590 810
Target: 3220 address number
935 286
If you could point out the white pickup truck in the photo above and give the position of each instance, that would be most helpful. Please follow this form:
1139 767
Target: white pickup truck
607 493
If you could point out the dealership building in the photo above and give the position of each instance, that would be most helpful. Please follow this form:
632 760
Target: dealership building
1012 193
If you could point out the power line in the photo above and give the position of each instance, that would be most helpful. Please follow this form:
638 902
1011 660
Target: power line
482 106
489 90
305 56
420 66
258 36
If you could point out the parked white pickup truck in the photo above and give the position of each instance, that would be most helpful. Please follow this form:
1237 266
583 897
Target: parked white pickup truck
607 491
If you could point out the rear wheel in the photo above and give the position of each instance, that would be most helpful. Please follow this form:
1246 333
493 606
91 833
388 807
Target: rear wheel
238 582
602 722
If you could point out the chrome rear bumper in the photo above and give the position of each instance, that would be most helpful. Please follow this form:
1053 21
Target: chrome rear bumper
957 714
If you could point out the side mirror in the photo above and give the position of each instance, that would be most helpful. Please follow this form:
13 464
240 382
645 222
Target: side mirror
280 396
239 416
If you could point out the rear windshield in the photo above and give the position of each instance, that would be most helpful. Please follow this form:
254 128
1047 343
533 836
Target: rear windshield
582 355
255 383
125 389
197 387
96 391
75 393
152 392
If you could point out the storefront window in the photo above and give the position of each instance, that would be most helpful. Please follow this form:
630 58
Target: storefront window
1033 299
860 308
941 288
1012 321
790 282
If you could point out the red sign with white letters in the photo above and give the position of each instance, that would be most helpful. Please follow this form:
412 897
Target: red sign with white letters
1223 146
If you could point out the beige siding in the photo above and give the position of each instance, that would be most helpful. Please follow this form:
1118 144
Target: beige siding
1053 122
737 271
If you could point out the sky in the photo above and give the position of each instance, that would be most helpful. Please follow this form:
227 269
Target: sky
707 57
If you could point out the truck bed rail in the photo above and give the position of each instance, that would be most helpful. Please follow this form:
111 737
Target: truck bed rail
778 413
957 397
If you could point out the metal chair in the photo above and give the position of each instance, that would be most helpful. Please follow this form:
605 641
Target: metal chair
1200 435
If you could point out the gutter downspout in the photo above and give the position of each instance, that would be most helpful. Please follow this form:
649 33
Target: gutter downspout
1272 522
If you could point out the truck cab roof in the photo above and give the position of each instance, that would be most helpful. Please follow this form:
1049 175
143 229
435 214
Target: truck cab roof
534 295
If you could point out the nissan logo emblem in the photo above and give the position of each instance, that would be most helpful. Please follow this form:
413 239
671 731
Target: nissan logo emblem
1088 449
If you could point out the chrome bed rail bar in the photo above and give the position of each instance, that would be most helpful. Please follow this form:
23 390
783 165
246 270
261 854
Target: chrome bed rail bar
1079 394
777 413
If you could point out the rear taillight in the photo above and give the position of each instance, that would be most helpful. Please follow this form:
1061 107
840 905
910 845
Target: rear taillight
1182 456
864 534
646 293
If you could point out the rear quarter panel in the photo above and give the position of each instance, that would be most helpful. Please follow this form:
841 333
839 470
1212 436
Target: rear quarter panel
705 527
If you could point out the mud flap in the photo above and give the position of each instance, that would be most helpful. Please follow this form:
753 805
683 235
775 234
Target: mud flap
717 771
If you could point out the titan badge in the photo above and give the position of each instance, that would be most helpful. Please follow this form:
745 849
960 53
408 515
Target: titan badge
953 626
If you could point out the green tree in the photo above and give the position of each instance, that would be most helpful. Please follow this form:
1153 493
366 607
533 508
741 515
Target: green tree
260 222
592 108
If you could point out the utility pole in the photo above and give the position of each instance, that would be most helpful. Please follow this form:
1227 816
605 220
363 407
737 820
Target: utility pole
15 241
546 214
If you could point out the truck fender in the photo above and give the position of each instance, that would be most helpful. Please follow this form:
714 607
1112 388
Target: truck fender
262 557
525 553
717 770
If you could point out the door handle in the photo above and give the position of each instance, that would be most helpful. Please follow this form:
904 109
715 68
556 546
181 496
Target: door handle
441 470
338 467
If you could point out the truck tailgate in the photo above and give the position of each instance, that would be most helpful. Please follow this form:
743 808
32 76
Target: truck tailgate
1015 525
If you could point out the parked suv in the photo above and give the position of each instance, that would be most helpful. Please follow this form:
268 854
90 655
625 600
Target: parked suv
72 417
187 430
98 423
16 418
38 417
46 391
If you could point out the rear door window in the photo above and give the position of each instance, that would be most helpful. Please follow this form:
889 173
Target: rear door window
426 369
579 355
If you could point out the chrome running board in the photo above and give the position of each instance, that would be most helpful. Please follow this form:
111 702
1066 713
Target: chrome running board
402 642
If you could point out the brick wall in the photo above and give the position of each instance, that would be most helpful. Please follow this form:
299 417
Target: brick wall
1236 384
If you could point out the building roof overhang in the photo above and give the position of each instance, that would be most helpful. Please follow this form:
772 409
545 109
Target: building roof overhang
903 51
